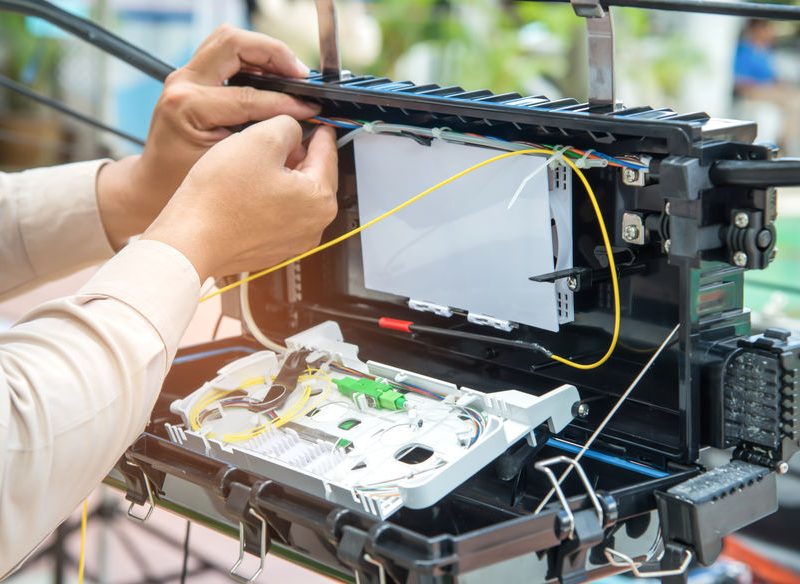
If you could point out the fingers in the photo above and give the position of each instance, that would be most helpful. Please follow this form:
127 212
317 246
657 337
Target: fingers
214 107
281 136
321 161
229 49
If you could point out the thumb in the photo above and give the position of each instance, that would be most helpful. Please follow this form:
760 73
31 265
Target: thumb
279 136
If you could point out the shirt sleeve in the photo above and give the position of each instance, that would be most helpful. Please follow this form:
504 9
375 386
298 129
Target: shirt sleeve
78 378
49 224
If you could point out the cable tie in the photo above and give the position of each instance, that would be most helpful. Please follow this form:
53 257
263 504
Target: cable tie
585 162
369 127
554 158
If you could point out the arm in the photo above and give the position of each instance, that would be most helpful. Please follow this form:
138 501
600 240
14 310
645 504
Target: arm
79 376
56 220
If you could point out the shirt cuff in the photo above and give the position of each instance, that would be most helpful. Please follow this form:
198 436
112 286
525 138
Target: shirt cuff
157 281
59 219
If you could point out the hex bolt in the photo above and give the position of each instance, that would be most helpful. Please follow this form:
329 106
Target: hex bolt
630 175
583 410
572 283
741 220
630 233
782 468
740 259
667 245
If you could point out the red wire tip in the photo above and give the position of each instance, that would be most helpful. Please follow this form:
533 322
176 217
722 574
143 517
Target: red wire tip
393 324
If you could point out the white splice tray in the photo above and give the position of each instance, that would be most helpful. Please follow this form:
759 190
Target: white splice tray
371 460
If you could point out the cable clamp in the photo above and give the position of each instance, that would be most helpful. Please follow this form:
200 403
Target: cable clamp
620 560
440 133
150 499
586 162
234 574
544 466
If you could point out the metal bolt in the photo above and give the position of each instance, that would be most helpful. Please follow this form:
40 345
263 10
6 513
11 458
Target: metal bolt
583 410
741 220
667 245
630 233
740 259
572 283
783 467
666 208
630 175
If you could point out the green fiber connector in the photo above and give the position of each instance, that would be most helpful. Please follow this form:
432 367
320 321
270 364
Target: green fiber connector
379 395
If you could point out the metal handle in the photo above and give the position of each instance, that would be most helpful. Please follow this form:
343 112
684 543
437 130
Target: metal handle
234 574
150 499
620 560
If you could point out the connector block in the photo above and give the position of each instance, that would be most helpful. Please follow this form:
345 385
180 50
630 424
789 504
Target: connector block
379 395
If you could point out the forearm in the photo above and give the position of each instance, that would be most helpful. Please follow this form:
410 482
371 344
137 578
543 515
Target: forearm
50 224
78 379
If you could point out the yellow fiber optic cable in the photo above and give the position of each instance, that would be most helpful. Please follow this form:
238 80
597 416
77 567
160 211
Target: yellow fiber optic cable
82 552
589 191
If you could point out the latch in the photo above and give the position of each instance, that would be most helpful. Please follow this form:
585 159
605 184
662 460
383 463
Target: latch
584 528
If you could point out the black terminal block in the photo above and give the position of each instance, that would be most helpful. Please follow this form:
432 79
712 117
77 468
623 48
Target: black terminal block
698 513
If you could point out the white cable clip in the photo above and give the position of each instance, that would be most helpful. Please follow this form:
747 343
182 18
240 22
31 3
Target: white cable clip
586 162
555 158
369 127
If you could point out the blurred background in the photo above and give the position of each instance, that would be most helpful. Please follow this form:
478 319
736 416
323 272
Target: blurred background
724 66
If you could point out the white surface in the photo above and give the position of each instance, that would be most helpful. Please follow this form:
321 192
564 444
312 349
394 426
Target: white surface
461 246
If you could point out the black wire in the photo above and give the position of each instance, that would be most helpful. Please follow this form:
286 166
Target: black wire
742 9
93 34
12 85
185 568
783 172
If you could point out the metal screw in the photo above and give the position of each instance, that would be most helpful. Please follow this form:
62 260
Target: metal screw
630 233
740 259
667 245
572 283
783 467
741 220
666 208
630 175
583 410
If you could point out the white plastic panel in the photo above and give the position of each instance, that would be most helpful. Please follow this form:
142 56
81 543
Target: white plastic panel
461 246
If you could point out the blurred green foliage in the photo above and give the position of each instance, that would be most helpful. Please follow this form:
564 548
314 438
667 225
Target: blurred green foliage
24 57
483 44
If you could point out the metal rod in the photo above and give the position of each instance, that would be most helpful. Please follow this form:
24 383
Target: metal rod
92 34
742 9
330 61
600 36
68 111
610 414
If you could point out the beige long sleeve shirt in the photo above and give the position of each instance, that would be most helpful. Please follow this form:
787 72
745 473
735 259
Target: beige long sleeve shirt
79 375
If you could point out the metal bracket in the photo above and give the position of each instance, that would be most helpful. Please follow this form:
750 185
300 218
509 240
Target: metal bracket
600 35
234 574
544 466
330 61
150 499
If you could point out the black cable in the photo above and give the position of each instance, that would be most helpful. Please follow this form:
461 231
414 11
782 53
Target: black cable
438 331
742 9
185 568
93 34
783 172
68 111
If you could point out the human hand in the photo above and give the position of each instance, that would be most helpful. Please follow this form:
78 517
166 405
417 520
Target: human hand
193 114
247 204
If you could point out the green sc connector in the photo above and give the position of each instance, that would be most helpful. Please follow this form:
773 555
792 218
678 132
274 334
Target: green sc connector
379 395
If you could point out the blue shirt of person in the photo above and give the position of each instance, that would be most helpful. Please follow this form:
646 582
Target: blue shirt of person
753 65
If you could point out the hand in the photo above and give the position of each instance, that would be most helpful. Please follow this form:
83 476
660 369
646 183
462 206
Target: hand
192 115
241 208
